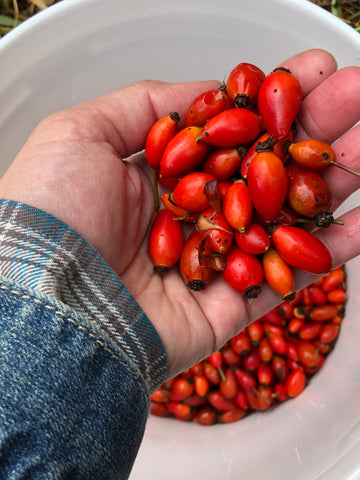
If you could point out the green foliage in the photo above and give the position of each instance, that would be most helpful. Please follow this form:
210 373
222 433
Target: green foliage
346 10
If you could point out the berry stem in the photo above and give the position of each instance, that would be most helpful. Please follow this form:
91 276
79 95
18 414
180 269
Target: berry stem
346 168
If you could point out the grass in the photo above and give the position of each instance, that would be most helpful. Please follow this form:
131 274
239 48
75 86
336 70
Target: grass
13 12
346 10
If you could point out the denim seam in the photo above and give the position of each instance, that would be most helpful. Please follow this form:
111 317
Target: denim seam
80 327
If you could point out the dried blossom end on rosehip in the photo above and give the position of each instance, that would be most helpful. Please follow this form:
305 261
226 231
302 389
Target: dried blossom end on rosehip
281 69
253 291
266 145
242 150
175 116
161 269
325 219
242 100
196 285
290 297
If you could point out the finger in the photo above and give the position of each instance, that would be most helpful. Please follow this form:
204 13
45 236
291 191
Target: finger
311 68
342 183
332 108
343 240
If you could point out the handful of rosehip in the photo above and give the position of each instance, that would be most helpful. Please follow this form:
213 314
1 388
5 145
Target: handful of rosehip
235 174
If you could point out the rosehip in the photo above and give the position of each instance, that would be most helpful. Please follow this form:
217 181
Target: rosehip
268 184
165 242
243 84
314 154
254 240
183 153
231 416
237 206
207 105
243 272
295 383
189 192
308 193
214 226
279 101
278 274
223 163
301 249
230 128
195 276
160 134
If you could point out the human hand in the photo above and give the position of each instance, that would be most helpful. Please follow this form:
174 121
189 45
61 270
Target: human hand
78 166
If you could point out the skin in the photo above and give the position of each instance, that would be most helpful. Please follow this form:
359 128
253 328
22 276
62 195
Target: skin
83 165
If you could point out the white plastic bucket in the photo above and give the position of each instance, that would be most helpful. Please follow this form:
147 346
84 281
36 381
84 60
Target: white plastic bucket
79 49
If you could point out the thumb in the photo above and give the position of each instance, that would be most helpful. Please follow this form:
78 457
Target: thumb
121 118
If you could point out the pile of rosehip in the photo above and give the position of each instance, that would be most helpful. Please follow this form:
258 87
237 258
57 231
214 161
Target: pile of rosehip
269 362
242 199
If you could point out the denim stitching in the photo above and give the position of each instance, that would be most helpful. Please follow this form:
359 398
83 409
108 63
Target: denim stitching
80 327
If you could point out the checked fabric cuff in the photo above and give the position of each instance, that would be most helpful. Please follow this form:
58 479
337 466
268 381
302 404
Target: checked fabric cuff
41 253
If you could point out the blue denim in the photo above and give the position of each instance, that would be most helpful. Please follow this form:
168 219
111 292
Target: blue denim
74 398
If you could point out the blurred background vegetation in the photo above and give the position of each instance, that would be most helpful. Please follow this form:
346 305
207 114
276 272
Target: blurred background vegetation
13 12
347 10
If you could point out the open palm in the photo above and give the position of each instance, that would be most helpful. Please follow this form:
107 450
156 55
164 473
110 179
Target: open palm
83 166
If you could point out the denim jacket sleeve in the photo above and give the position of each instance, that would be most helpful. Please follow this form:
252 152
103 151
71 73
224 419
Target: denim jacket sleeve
79 358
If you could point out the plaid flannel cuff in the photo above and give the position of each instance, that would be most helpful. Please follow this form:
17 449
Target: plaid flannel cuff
42 253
